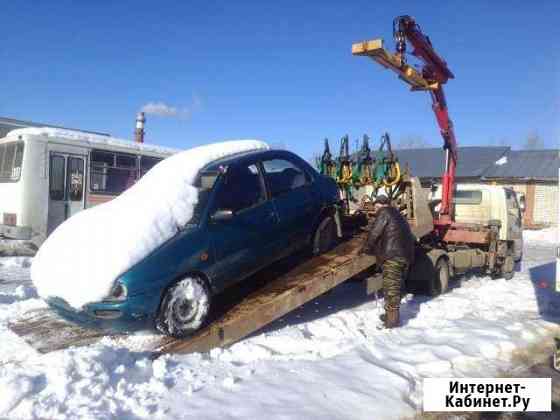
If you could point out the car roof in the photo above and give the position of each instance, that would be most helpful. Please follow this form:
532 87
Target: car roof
250 155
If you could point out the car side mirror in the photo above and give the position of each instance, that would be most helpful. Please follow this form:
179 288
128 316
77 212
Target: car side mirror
222 215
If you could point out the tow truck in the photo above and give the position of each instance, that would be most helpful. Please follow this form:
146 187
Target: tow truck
445 247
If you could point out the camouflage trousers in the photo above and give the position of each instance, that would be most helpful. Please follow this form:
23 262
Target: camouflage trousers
394 273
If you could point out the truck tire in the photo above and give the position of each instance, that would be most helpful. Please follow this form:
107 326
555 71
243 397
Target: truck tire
440 280
324 237
507 270
184 307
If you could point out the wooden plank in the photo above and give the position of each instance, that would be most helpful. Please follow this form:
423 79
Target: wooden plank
375 50
286 293
45 331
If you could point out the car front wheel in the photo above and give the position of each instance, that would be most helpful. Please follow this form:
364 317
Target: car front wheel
184 307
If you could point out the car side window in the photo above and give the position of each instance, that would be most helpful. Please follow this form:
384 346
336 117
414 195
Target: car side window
242 188
284 176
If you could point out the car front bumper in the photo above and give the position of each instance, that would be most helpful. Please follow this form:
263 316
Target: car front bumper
133 314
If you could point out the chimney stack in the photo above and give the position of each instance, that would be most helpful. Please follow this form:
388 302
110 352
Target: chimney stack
139 131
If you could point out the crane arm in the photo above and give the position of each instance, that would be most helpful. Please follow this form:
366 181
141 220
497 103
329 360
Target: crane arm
432 76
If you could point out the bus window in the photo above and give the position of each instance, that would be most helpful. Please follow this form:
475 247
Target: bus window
111 172
147 163
100 162
11 158
56 178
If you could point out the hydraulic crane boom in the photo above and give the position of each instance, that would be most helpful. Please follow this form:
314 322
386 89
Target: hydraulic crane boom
432 76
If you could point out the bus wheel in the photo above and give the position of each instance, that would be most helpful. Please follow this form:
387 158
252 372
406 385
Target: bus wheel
184 307
440 280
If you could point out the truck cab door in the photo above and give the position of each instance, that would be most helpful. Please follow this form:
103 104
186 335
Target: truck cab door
515 223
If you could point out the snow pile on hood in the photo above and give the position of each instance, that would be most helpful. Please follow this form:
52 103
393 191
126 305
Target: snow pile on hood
83 257
544 236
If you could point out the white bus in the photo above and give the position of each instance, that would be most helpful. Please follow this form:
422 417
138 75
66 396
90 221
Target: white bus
49 174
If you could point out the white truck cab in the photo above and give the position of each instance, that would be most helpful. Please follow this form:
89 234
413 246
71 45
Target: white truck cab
483 204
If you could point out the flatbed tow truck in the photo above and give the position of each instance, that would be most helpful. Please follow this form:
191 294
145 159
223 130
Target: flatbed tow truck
444 247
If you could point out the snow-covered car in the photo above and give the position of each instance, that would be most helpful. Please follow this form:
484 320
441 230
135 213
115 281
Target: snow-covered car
196 224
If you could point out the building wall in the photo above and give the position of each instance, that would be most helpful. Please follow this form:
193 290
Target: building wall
541 201
546 204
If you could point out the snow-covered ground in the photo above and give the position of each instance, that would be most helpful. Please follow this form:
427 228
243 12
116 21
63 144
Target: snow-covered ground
326 360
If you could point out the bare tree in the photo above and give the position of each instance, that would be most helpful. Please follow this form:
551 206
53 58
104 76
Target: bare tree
533 141
411 142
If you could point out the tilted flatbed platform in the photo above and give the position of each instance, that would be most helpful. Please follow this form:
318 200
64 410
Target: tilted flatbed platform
285 292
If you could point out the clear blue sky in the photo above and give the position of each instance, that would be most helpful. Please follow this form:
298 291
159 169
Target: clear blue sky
278 71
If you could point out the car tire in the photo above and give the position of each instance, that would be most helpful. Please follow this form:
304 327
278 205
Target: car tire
324 237
184 307
440 280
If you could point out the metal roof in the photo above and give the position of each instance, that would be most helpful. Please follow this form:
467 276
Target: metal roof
483 162
429 162
9 124
527 164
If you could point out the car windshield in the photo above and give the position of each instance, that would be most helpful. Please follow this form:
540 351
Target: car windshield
204 183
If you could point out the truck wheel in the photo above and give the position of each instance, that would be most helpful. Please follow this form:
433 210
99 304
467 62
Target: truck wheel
508 267
184 307
440 281
324 237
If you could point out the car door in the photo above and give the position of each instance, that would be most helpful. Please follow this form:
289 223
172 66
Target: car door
241 243
295 200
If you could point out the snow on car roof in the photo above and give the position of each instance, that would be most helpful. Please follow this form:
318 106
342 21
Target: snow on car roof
89 139
83 257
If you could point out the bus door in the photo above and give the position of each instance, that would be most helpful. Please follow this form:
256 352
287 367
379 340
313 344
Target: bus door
66 187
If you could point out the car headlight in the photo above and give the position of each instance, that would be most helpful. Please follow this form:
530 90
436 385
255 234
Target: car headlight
118 293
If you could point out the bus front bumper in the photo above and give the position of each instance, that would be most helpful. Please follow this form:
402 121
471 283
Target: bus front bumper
15 232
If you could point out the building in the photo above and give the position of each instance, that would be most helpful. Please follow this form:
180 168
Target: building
533 174
9 124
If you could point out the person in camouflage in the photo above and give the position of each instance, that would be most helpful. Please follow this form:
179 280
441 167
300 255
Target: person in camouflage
392 243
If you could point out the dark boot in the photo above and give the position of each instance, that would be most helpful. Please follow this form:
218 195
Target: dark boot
392 319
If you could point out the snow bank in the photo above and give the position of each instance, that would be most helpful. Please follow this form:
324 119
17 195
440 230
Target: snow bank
84 255
543 236
326 360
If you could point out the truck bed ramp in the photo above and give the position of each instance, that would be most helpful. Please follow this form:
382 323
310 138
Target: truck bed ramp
282 295
46 331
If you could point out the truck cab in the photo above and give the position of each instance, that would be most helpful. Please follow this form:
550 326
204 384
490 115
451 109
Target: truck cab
486 204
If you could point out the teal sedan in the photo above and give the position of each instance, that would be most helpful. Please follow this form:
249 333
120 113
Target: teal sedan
253 209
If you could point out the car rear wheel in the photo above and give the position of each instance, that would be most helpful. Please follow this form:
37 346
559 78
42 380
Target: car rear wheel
184 307
324 237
